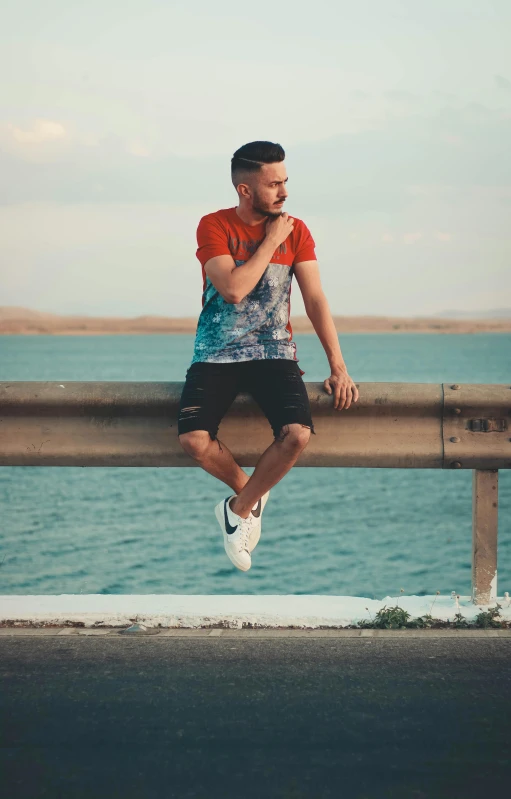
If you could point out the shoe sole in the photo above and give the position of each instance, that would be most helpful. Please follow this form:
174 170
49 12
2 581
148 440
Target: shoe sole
219 513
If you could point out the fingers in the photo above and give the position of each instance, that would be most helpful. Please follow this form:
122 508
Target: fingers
337 396
342 396
281 227
351 395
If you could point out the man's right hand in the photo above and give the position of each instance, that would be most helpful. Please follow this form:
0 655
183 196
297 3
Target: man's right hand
279 228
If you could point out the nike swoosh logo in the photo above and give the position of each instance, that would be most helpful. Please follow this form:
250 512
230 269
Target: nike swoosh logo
257 511
228 527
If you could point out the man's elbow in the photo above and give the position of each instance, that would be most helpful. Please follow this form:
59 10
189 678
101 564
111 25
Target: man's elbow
231 299
226 292
222 282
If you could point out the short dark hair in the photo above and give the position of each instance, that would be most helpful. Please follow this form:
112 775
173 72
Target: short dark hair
253 155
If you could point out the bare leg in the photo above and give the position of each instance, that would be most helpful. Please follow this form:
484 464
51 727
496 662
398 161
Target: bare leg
271 467
274 463
214 457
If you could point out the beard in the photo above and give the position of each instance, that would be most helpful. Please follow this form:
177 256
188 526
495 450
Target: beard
264 209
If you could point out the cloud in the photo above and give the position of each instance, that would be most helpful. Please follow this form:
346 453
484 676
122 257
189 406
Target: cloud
138 149
35 142
387 237
110 173
443 236
367 172
41 131
411 238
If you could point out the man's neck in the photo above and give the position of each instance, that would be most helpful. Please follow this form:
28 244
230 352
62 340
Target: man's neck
249 216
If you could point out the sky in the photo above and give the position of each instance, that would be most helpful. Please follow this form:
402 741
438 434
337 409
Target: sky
118 119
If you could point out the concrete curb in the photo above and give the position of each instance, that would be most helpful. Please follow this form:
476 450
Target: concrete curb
156 611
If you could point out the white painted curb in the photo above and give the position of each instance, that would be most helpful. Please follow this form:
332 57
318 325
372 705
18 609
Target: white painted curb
234 611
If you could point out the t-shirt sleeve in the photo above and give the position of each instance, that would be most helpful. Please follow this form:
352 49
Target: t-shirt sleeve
211 240
305 245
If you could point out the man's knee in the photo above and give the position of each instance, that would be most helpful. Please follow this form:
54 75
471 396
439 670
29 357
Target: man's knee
295 436
195 443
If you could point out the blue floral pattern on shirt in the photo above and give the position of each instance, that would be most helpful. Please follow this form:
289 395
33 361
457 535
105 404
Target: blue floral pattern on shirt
252 329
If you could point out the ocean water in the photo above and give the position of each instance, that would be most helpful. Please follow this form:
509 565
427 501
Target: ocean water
362 532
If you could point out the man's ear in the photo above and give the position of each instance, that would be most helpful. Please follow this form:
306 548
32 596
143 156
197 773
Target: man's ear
244 190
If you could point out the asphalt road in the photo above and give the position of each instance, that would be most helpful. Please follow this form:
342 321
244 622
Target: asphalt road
245 718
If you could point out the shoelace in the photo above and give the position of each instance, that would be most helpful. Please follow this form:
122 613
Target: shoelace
245 530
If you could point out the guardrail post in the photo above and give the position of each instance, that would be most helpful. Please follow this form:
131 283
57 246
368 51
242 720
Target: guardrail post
485 484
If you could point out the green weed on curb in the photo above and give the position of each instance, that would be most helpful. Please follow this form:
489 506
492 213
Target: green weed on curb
396 618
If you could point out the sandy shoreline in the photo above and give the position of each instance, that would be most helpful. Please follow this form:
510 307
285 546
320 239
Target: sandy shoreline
75 326
22 321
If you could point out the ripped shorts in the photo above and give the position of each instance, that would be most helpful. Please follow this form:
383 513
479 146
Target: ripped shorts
275 384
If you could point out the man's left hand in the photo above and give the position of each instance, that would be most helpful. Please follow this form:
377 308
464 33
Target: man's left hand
343 388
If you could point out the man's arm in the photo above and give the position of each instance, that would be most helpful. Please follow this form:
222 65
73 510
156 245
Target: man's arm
235 282
318 311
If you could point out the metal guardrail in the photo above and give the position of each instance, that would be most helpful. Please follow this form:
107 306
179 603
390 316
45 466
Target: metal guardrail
393 425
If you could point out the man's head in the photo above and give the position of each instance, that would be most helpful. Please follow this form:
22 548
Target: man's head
259 176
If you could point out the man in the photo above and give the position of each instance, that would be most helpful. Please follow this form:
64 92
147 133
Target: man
244 340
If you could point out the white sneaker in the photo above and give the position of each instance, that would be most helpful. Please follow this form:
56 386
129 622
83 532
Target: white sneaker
257 512
236 532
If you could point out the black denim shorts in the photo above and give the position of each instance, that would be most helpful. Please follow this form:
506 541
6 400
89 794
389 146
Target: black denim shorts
275 384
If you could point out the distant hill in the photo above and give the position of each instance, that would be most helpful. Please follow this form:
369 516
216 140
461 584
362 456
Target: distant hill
493 313
13 312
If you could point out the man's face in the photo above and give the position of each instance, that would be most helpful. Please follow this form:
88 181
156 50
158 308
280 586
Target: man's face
268 189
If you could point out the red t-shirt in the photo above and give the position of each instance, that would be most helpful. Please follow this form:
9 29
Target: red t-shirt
224 233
